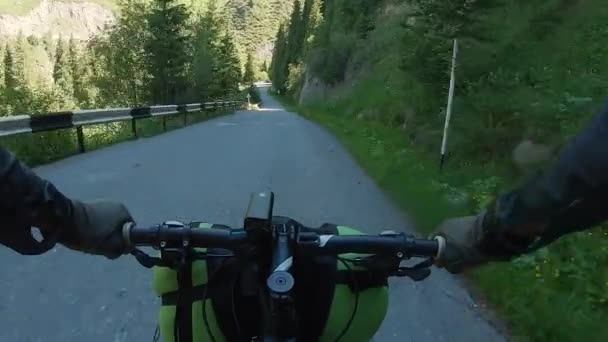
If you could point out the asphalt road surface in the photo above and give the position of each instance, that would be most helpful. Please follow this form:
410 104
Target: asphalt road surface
206 171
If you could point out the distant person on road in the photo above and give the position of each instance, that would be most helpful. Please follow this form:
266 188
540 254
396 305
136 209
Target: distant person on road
28 201
569 196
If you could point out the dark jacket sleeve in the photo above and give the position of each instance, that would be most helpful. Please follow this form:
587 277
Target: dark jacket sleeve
570 195
26 201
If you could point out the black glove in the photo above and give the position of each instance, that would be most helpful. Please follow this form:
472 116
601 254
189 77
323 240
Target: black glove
18 237
97 228
475 240
460 250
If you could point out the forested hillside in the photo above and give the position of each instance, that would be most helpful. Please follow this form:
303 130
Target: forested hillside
156 52
252 23
529 74
48 70
255 23
167 47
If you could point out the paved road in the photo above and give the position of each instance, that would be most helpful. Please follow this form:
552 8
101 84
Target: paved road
207 171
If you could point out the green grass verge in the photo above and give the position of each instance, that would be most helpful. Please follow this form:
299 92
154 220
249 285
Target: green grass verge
40 148
557 294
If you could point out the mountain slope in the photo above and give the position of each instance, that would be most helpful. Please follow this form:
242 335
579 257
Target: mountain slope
23 7
81 19
254 23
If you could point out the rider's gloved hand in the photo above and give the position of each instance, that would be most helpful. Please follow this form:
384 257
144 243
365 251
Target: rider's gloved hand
462 236
474 240
97 228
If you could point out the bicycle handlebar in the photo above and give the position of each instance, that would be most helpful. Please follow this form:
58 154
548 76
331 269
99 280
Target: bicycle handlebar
381 254
171 237
167 236
272 243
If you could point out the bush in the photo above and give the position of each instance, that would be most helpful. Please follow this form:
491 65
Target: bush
295 79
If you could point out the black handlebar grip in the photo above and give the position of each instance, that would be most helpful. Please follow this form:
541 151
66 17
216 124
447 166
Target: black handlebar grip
423 248
389 243
135 236
177 237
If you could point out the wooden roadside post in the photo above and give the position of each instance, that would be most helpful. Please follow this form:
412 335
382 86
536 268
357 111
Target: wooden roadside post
449 107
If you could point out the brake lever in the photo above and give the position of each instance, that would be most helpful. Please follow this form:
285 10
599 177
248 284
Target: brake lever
144 259
390 265
417 272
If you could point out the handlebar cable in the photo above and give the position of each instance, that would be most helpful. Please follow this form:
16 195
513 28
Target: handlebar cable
156 336
356 306
204 301
209 280
234 316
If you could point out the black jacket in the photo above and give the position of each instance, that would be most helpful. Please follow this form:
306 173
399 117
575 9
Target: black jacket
570 195
28 201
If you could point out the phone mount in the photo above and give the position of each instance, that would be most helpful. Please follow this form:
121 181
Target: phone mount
258 218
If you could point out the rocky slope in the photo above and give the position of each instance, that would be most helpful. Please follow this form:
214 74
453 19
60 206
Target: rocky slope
58 18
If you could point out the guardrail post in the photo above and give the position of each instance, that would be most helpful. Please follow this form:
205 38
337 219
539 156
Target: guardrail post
80 137
164 123
134 128
185 118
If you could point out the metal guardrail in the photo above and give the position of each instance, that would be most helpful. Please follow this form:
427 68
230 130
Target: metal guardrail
33 123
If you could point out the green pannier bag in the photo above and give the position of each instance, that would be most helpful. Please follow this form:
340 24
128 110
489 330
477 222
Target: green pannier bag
334 298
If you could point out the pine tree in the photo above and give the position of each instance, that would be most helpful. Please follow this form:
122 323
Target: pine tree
230 68
10 77
76 71
2 85
280 12
88 93
19 59
240 15
167 49
279 63
16 95
205 58
249 76
14 73
62 75
312 17
453 19
203 65
295 34
112 61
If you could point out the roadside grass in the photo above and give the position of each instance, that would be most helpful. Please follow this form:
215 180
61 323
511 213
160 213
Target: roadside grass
40 148
559 293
